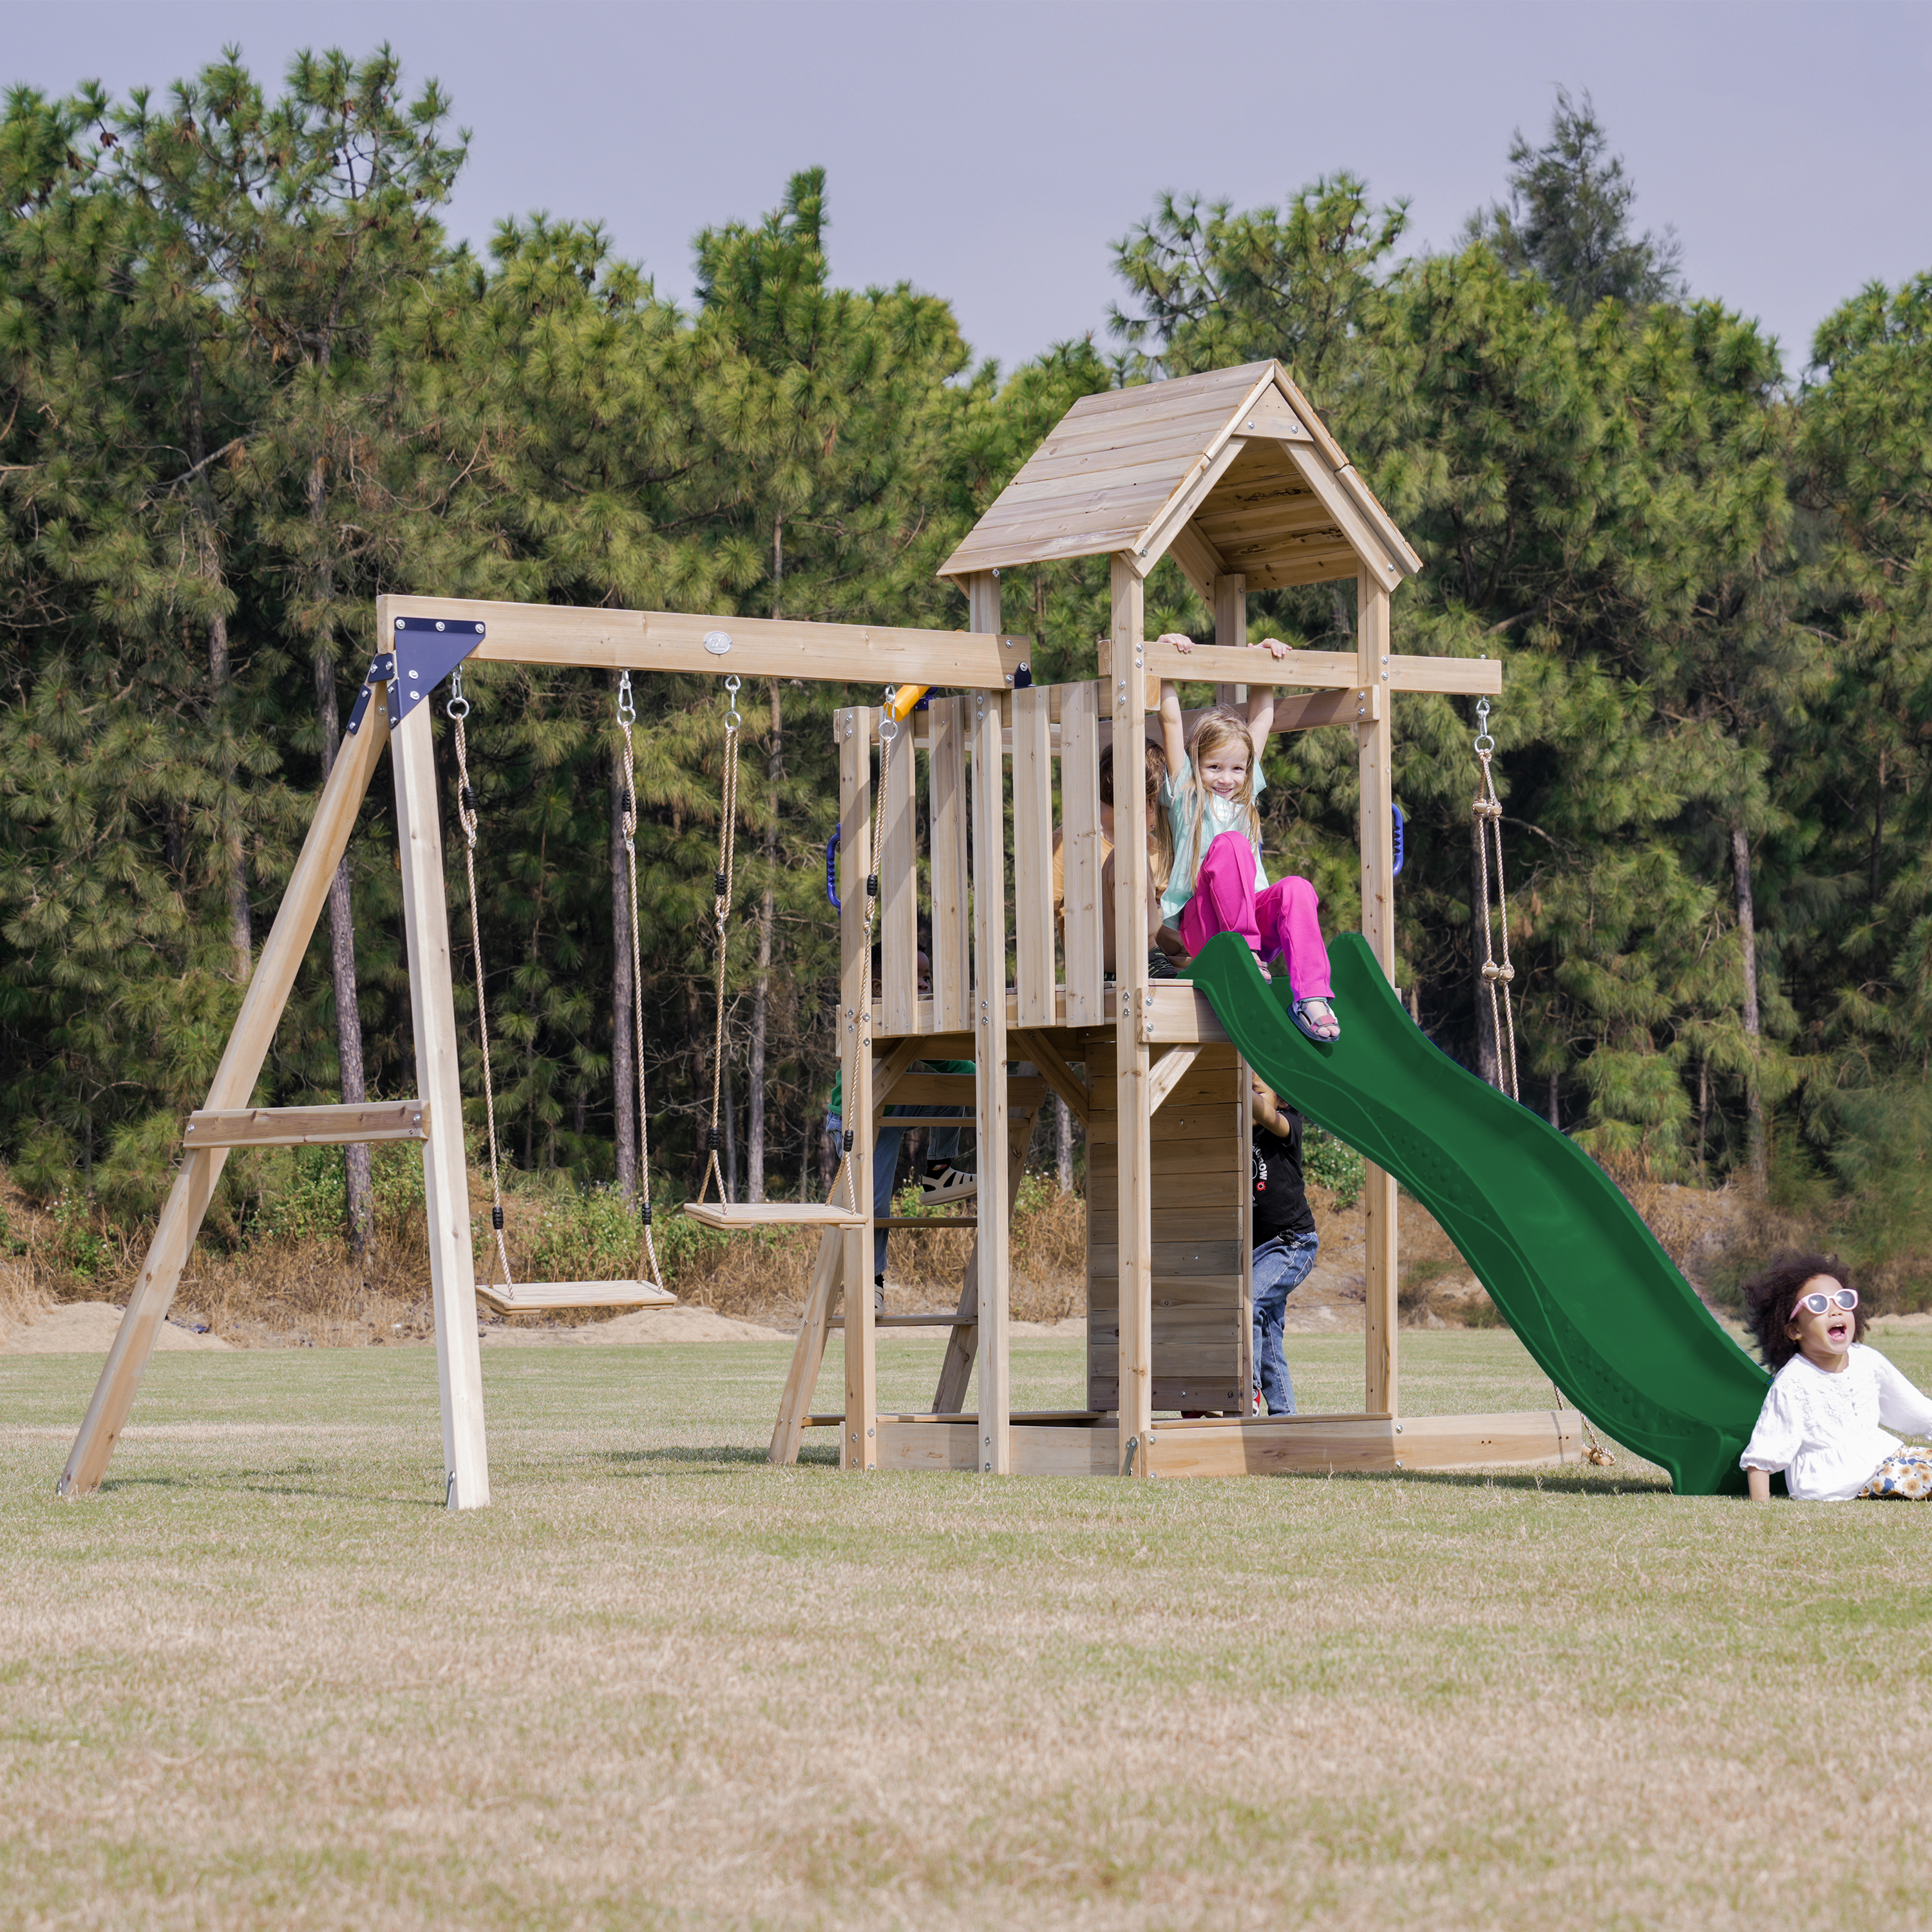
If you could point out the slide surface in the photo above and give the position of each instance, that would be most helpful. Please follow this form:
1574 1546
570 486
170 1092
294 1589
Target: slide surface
1576 1273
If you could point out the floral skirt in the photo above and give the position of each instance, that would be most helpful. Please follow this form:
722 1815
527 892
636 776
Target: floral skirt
1906 1473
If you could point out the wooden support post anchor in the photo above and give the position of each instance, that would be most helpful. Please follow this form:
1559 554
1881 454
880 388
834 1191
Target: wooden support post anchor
234 1082
466 1459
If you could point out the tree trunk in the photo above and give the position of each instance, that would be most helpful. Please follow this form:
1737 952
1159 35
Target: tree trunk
731 1136
1760 1145
1555 1113
623 1061
1703 1111
755 1123
754 1104
1489 1057
241 919
358 1203
220 682
1063 1144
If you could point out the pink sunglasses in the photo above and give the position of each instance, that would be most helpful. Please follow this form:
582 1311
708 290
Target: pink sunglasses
1846 1298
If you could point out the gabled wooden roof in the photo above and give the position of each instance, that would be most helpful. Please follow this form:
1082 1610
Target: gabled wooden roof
1232 471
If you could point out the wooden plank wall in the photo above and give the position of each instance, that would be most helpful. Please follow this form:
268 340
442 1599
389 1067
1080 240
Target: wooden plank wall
1040 725
1201 1324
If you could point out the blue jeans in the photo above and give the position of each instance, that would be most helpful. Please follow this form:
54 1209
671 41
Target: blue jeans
1281 1266
944 1144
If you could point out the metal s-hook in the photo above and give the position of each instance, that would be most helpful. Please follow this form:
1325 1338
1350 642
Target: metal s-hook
1485 744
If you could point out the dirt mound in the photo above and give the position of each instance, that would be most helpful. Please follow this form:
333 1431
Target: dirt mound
88 1328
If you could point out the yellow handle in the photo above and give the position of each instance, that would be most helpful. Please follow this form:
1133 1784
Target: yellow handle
905 700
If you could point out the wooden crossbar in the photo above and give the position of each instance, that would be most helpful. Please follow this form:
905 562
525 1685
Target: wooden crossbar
308 1127
668 640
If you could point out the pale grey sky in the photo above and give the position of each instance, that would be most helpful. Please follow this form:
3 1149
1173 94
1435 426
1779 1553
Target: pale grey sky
991 151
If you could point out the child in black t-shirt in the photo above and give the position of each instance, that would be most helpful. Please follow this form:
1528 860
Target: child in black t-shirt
1285 1243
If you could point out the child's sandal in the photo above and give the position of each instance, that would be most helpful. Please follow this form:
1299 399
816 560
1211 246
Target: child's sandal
1316 1018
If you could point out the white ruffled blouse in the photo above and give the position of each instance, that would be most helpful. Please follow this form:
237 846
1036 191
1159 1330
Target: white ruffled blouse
1822 1427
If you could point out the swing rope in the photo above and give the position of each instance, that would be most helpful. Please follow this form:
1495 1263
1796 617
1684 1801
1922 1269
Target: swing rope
627 714
1497 977
458 709
728 842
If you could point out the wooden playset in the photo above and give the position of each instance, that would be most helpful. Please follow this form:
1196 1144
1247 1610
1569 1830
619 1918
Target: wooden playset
1233 475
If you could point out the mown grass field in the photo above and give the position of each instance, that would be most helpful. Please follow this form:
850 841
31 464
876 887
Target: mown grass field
264 1679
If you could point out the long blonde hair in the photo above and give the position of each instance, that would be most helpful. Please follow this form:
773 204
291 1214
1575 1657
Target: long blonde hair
1160 840
1215 730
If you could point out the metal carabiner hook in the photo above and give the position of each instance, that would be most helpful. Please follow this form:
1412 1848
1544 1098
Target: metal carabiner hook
627 708
458 706
1484 744
732 721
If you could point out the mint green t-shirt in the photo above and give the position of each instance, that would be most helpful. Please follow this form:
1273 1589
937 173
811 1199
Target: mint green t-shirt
1220 815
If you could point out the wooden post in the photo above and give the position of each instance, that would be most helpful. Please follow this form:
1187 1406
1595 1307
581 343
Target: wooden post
989 1050
233 1086
466 1456
859 1444
1231 628
1375 749
1128 697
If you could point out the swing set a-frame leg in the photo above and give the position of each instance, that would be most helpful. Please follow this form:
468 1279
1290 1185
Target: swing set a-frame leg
234 1084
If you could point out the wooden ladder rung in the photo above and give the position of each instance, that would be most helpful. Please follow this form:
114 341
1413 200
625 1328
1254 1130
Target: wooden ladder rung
309 1127
935 1320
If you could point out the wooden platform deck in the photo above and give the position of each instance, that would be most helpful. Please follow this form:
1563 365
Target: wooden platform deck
1087 1444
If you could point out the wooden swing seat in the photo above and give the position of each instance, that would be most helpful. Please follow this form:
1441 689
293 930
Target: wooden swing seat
528 1297
736 1217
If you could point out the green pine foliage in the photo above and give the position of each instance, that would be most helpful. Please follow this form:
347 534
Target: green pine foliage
247 386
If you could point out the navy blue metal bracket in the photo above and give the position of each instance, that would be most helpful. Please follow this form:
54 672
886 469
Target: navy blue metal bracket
426 650
381 670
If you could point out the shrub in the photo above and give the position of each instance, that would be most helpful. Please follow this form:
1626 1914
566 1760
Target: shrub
1334 1163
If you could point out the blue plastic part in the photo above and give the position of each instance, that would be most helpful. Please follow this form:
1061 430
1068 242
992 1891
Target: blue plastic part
832 870
1400 822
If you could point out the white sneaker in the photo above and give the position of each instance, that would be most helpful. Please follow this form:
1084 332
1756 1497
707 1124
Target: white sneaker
948 1184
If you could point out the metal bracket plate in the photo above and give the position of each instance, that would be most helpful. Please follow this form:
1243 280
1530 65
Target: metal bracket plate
426 650
381 670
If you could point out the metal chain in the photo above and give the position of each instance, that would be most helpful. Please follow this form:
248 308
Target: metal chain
627 714
727 837
1488 816
458 709
888 732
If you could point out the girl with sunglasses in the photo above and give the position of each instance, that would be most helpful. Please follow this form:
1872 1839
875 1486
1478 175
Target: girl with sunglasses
1825 1417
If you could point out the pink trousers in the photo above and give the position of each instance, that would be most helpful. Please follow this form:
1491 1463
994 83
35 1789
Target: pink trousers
1282 918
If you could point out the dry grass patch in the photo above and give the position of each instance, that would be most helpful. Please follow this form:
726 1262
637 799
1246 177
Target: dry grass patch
265 1677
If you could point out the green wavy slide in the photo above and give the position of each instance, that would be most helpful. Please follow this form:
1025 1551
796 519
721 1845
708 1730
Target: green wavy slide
1575 1272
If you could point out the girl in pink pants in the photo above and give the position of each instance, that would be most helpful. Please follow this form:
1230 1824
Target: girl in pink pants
1218 883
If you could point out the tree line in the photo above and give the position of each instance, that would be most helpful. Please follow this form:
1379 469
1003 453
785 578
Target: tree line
247 383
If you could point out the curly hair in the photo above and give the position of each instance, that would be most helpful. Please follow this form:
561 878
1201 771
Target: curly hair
1771 1294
